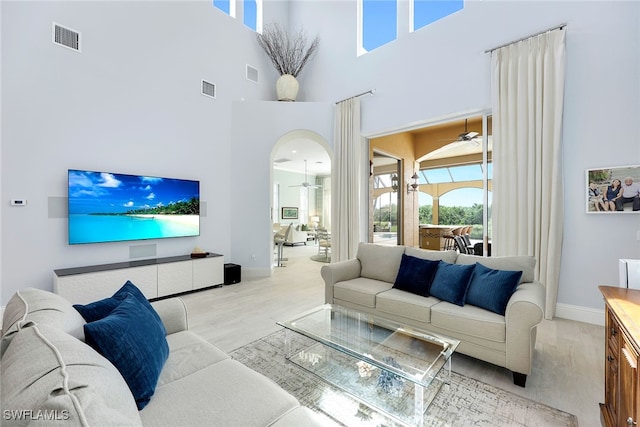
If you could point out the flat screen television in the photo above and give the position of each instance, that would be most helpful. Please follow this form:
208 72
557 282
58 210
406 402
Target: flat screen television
112 207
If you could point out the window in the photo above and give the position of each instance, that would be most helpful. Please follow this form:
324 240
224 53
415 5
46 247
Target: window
224 5
454 174
251 14
427 11
379 22
251 11
378 19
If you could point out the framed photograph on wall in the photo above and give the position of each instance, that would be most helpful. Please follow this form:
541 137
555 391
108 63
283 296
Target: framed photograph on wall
613 190
289 213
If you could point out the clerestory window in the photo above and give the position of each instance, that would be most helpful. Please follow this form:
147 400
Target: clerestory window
251 11
378 20
227 6
252 14
425 12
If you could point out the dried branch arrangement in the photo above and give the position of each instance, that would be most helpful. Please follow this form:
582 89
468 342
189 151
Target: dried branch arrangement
289 54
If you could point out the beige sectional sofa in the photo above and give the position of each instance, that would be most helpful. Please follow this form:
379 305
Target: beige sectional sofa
366 283
50 376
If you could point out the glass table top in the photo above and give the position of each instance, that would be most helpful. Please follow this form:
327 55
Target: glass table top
414 354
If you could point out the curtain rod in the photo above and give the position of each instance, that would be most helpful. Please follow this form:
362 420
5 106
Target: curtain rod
557 27
372 91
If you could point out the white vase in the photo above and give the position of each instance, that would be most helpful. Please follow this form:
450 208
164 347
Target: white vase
287 88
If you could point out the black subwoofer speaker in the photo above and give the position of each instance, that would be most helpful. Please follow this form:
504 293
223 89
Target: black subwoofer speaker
231 274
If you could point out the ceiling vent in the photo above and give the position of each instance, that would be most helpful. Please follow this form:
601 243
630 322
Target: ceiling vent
208 89
66 37
252 74
282 160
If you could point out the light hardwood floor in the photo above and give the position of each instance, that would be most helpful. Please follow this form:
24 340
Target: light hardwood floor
568 371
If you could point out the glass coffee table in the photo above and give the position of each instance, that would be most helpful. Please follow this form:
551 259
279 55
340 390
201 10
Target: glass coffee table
393 368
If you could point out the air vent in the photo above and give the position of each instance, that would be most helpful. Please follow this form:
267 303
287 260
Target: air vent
66 37
208 89
252 74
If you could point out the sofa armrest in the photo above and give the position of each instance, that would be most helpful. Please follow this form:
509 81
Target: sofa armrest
525 311
338 272
297 236
173 314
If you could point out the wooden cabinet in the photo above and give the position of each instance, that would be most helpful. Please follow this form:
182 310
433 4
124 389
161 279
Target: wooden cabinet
156 277
207 272
174 277
434 236
621 405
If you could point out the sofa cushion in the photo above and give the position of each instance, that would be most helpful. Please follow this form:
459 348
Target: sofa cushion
469 320
99 309
188 353
133 340
451 282
379 262
30 305
415 275
405 304
491 289
524 263
46 369
446 256
243 397
360 290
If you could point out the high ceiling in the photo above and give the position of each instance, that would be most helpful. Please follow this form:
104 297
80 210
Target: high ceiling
291 157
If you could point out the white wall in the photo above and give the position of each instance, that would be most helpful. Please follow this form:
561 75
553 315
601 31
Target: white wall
291 193
130 102
443 69
256 128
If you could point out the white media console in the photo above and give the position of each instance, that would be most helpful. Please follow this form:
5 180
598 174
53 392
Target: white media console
157 277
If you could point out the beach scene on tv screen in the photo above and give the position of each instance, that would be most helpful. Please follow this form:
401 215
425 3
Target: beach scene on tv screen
109 207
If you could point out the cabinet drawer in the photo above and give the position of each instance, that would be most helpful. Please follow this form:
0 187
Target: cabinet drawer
89 287
174 278
208 272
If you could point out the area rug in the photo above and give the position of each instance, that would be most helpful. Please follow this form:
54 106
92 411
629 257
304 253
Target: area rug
320 258
465 402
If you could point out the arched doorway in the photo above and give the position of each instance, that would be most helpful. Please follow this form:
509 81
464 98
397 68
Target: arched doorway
300 185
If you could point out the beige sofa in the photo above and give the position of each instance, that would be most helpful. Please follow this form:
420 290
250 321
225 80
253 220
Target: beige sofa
297 235
366 283
50 376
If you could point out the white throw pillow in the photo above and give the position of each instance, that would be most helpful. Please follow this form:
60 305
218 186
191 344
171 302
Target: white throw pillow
32 305
50 375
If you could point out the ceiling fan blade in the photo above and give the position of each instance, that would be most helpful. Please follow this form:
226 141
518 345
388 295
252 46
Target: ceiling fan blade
306 185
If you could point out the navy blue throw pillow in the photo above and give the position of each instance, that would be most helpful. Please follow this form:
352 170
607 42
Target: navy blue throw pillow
492 289
451 282
415 275
99 309
134 341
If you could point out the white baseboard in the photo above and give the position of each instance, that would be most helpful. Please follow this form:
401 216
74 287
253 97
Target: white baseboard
580 314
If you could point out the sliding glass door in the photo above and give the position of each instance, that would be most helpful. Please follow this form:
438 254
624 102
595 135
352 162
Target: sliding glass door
455 186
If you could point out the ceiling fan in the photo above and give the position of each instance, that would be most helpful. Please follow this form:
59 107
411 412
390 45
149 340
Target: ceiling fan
466 135
306 184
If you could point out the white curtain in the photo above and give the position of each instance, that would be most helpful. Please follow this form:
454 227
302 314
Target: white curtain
345 183
527 95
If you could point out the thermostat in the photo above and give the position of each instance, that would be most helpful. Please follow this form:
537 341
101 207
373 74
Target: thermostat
18 202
